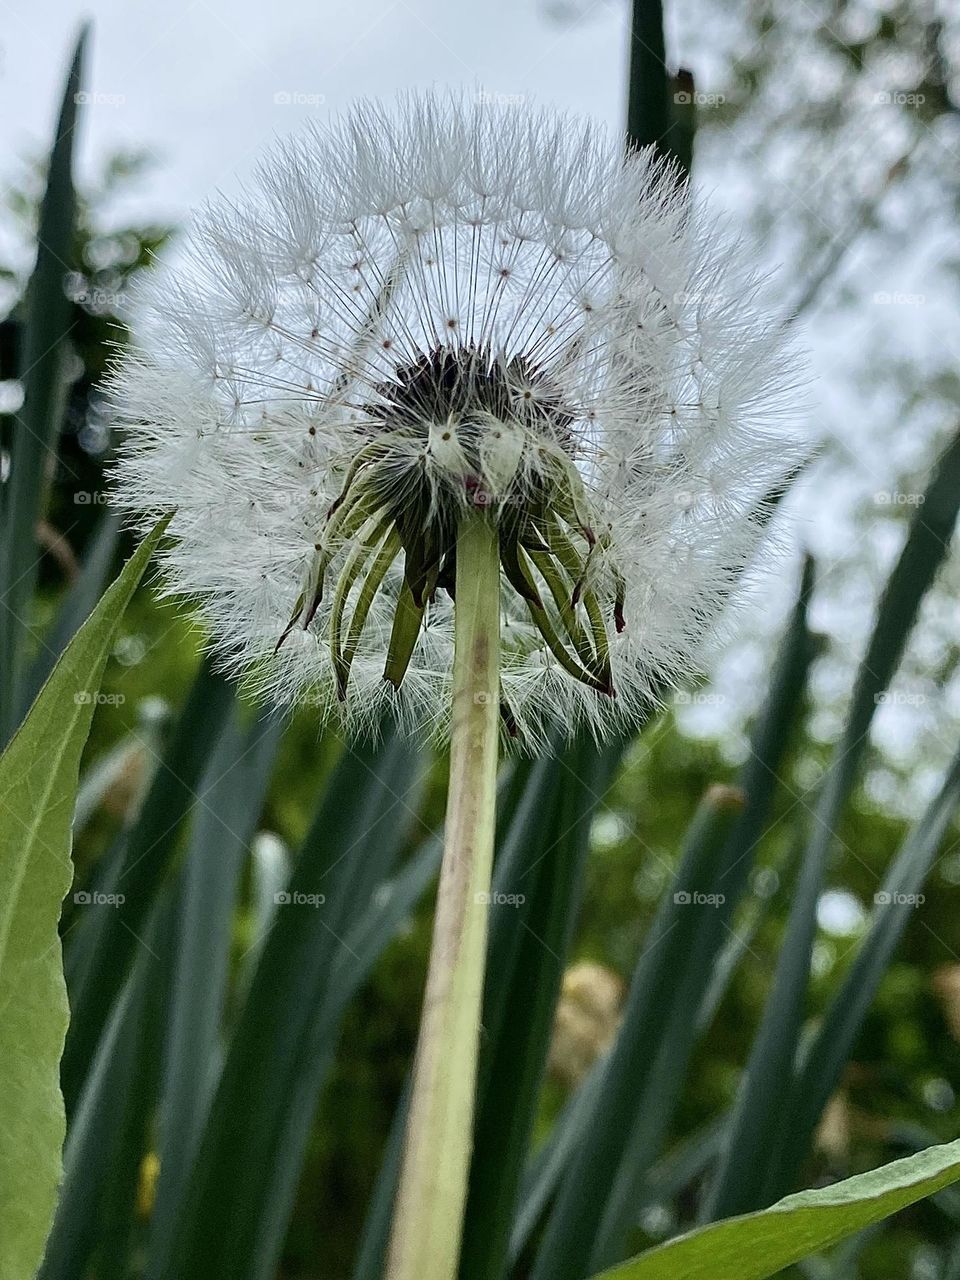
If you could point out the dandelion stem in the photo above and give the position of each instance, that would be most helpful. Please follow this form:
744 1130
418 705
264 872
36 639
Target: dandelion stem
428 1215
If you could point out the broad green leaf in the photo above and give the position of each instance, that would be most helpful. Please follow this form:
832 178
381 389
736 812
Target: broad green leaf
761 1244
38 784
44 363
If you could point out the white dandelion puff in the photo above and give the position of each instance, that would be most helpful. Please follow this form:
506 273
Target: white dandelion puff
446 306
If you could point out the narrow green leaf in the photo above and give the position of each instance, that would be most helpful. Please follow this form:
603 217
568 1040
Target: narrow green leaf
827 1054
242 1191
38 782
233 788
648 104
77 603
759 1129
569 1238
108 1134
43 372
757 1120
550 1162
595 1210
538 888
761 1244
101 944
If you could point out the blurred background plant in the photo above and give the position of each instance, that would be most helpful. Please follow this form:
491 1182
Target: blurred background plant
766 876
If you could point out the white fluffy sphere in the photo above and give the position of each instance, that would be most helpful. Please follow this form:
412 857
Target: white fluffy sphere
433 307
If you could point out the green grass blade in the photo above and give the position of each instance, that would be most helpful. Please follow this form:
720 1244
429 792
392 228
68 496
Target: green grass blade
649 117
377 926
104 943
568 1241
44 355
822 1064
114 765
928 541
757 1122
233 786
761 1244
77 604
38 783
550 1162
371 1256
542 862
245 1179
108 1135
595 1211
759 1125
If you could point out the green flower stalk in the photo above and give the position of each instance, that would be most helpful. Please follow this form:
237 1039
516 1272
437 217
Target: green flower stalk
432 1191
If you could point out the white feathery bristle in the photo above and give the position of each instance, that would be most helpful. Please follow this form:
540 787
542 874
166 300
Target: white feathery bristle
577 309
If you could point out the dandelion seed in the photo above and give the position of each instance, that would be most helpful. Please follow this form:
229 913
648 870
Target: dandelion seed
441 308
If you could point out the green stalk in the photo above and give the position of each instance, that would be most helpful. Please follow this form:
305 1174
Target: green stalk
428 1214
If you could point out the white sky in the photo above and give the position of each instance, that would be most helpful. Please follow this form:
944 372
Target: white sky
197 81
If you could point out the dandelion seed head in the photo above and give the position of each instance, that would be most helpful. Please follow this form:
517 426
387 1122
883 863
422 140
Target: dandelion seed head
439 307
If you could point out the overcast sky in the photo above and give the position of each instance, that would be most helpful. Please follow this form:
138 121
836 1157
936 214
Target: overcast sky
206 85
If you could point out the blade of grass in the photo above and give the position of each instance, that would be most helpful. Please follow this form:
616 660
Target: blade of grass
43 374
648 104
594 1212
549 1164
234 785
822 1063
241 1193
758 1126
569 1237
105 942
